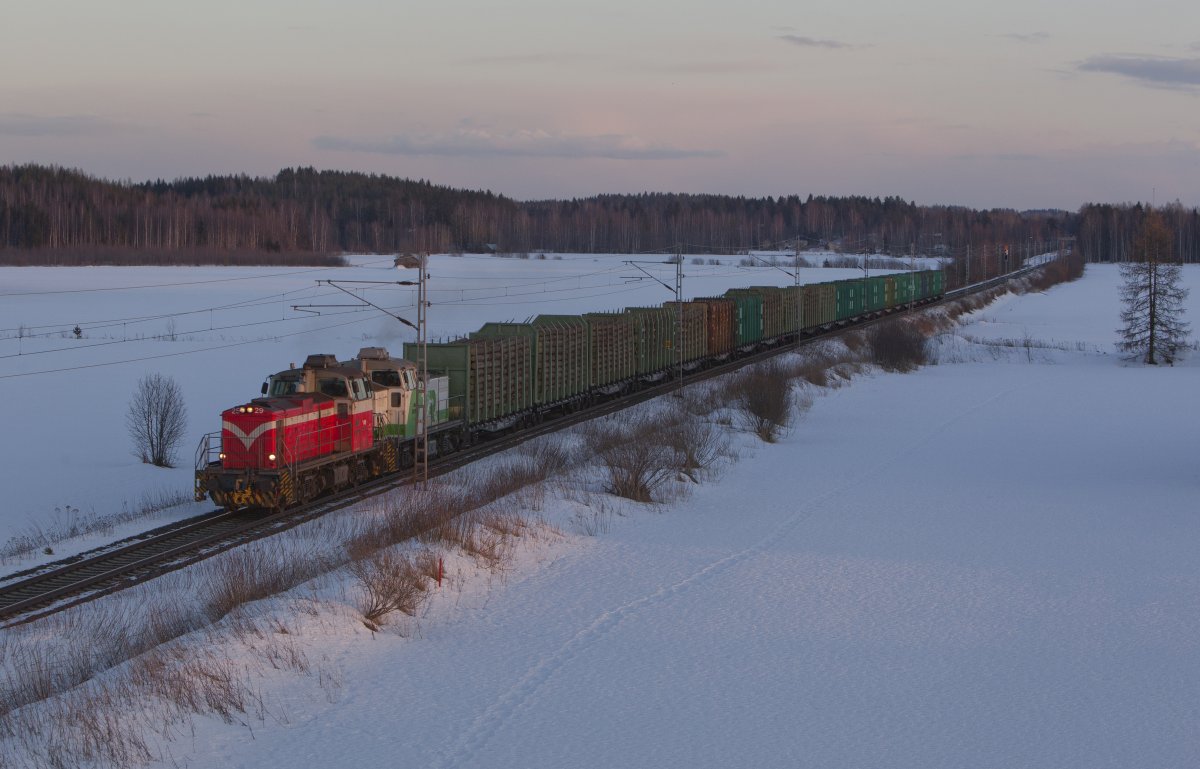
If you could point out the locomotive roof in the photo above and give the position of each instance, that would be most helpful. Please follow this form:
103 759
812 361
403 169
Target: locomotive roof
341 369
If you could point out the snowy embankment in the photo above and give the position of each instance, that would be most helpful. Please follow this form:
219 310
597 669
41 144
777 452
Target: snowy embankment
989 562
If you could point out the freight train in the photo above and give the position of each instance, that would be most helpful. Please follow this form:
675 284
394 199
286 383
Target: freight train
331 424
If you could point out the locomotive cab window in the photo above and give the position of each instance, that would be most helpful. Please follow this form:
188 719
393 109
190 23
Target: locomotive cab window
359 388
386 378
335 388
284 386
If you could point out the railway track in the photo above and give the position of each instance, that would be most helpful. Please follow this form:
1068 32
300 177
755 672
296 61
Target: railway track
37 592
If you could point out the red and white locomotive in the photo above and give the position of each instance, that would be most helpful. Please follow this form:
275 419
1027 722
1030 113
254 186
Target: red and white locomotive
312 431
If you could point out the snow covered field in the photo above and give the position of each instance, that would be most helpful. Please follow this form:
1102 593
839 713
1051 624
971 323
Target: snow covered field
987 563
219 332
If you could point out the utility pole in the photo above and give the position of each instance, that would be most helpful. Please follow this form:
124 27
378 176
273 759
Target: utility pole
421 436
679 316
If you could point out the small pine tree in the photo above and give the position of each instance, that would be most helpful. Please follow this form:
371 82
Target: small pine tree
1153 328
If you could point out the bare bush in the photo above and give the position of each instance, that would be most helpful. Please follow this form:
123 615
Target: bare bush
854 340
897 345
388 583
157 419
634 455
763 396
696 443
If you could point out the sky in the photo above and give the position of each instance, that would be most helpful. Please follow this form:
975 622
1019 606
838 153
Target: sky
1022 104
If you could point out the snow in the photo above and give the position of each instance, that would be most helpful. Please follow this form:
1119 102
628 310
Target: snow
988 562
219 332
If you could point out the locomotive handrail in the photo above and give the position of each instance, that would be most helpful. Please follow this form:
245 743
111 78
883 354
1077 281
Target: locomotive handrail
205 450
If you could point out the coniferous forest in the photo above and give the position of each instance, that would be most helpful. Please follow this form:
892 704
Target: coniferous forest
51 215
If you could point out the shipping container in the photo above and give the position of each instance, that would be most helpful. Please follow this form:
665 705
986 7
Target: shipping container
747 328
876 293
937 283
754 314
849 297
889 290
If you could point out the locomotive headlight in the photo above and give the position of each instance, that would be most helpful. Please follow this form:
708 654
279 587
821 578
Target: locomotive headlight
221 456
270 457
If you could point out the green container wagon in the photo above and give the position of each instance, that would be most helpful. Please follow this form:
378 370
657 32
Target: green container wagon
850 295
653 333
490 377
820 304
559 349
876 293
562 358
937 283
613 346
904 293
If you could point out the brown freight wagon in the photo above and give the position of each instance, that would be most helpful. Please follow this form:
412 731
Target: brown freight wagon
695 329
721 324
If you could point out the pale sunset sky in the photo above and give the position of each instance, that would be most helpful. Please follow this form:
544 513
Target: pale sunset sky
1019 104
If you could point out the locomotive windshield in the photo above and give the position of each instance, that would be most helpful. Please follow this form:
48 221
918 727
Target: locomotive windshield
335 387
284 386
387 378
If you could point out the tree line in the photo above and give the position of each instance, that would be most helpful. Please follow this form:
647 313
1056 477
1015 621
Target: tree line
48 212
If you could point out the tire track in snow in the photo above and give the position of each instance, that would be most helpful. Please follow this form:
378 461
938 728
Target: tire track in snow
523 692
